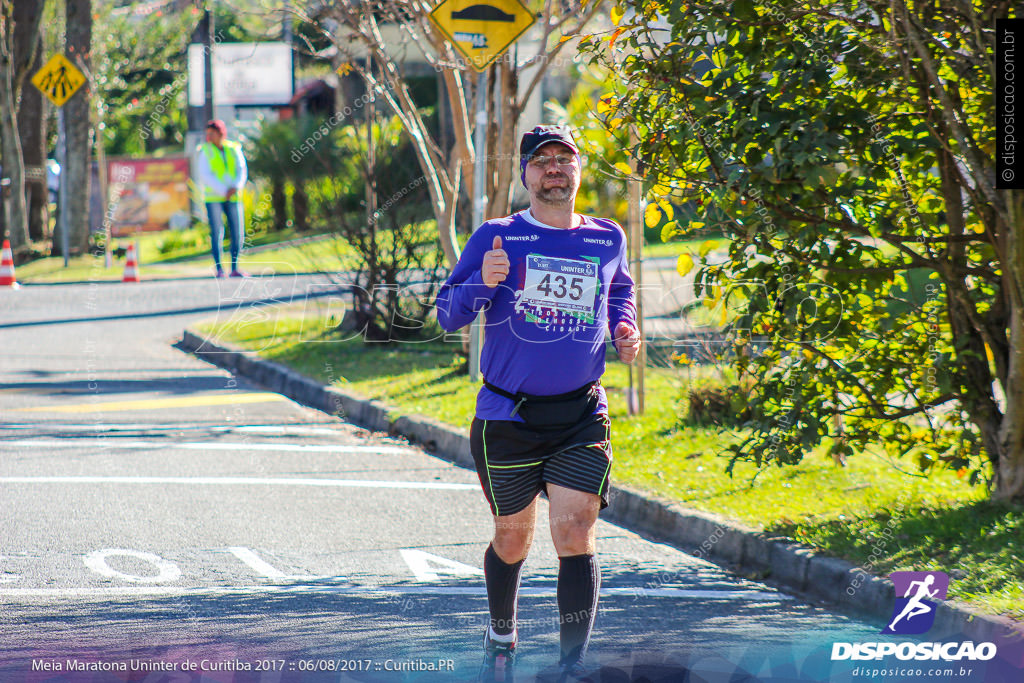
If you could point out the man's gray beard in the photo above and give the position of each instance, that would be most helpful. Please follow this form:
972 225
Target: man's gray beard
556 196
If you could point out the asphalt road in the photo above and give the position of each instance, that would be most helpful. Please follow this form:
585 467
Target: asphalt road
156 512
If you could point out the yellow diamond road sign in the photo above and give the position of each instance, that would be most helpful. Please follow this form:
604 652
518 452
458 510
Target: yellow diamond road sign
482 29
58 79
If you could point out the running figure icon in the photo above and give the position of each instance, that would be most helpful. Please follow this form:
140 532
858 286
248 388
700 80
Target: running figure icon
916 607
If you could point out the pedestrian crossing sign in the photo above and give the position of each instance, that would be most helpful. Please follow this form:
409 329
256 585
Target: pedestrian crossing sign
59 79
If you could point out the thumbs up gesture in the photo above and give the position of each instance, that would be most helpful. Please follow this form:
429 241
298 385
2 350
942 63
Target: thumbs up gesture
495 265
627 342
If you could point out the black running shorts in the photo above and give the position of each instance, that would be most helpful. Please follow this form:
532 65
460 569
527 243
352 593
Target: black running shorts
515 463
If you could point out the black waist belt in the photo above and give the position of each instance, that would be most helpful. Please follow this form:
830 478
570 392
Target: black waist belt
522 397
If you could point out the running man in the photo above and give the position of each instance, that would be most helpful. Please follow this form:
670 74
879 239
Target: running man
915 606
551 283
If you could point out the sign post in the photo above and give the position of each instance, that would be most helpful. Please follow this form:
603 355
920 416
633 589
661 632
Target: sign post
636 245
481 32
59 79
476 330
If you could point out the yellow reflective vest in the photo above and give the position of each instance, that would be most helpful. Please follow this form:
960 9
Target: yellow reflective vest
220 170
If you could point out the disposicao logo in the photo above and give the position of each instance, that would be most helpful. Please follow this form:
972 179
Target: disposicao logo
914 612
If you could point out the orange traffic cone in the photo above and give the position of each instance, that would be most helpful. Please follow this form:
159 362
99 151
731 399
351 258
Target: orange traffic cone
7 267
131 267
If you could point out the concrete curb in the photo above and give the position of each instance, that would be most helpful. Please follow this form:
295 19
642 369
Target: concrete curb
780 560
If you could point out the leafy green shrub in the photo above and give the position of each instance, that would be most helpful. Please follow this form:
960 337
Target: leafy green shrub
715 402
183 240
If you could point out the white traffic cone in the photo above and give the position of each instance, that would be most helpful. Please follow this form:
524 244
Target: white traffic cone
131 266
7 267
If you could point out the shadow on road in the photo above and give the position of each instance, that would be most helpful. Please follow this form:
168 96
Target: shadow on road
636 637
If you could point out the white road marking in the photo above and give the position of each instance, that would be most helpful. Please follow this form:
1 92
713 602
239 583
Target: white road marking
426 566
297 430
166 571
375 591
263 568
245 481
256 563
275 429
201 446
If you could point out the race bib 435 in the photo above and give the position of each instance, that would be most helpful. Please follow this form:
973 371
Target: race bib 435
564 285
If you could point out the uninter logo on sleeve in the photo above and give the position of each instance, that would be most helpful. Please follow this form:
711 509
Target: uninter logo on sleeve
520 238
591 240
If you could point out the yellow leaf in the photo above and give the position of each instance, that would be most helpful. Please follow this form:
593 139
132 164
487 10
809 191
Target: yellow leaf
564 38
696 225
706 246
614 123
616 15
666 209
684 265
722 319
652 215
623 167
712 298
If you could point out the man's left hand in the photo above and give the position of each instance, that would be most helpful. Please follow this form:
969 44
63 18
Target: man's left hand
627 342
231 192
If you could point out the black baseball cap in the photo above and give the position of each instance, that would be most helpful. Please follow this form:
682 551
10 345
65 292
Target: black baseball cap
541 135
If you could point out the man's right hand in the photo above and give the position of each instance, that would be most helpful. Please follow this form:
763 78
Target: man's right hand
495 265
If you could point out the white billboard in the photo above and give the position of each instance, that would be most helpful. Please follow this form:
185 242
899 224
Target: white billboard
243 73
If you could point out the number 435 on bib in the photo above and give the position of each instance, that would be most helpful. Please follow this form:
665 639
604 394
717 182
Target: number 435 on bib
565 285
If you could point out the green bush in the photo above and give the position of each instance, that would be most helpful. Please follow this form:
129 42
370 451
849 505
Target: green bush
183 240
715 402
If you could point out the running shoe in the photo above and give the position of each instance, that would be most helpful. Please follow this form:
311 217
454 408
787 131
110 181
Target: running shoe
499 661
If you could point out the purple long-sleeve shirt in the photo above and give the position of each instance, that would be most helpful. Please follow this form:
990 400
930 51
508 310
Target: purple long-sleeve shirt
546 323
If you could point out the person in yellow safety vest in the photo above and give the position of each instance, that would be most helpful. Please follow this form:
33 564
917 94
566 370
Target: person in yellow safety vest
222 172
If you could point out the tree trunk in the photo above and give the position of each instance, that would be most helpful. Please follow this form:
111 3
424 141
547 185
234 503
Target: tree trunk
31 126
13 194
278 204
300 208
500 196
79 129
1009 483
15 213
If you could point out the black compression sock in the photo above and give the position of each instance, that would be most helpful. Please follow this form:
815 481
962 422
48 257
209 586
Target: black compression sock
579 583
502 590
